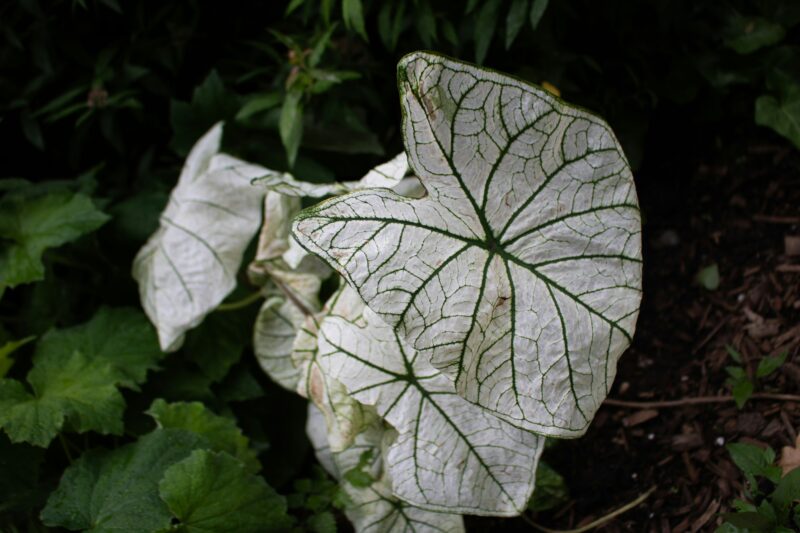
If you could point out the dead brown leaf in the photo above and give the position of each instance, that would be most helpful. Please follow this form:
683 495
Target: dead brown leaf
790 457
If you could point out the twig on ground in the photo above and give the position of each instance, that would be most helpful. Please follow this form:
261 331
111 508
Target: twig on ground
597 523
699 400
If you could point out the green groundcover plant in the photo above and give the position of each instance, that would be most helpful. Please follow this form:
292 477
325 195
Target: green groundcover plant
444 315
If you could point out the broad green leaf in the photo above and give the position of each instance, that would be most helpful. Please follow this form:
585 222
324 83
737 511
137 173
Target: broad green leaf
450 455
259 104
748 34
75 375
519 274
31 223
213 492
781 113
189 265
221 432
117 490
754 461
374 509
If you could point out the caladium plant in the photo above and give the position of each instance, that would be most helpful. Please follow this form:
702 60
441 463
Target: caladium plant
491 279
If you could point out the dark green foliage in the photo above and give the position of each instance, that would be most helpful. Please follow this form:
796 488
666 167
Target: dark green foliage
101 99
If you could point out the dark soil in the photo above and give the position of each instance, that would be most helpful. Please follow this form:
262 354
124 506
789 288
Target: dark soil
739 211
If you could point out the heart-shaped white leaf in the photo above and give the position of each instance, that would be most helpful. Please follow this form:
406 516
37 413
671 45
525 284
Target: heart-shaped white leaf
450 455
189 265
519 274
374 509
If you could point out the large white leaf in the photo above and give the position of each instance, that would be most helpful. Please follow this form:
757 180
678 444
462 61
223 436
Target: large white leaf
189 265
450 454
519 274
374 508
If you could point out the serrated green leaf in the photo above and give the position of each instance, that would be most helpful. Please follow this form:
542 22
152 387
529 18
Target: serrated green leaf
221 432
75 376
515 19
530 226
212 492
378 369
750 458
31 223
786 493
188 267
537 12
6 362
112 491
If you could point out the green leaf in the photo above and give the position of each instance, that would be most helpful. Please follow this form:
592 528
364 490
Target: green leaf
513 233
31 223
786 493
742 390
291 124
515 20
75 376
111 491
770 364
259 104
426 24
751 459
753 522
218 343
211 102
748 34
735 355
6 362
212 492
19 477
708 277
485 25
322 523
221 432
353 16
781 112
537 12
551 489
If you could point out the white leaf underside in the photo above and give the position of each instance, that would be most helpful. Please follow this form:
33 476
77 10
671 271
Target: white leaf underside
450 455
189 265
519 274
374 509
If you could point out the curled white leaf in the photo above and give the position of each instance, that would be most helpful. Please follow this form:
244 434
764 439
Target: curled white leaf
189 265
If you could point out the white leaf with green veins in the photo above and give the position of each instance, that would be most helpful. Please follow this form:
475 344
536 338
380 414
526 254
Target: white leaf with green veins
374 508
344 416
386 175
519 274
450 455
189 265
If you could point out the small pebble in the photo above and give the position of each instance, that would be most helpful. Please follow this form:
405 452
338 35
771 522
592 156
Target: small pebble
719 441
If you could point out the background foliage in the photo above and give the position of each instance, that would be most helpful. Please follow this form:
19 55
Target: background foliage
100 100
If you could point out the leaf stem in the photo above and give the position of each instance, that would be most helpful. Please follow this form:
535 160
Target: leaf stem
65 445
699 400
597 523
239 304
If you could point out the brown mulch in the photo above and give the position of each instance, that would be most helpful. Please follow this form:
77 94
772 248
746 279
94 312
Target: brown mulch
742 213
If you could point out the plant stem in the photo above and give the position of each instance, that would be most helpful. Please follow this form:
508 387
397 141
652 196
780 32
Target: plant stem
66 447
597 523
699 400
238 304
